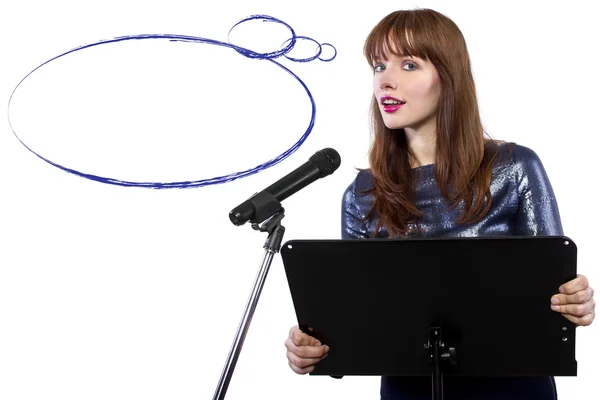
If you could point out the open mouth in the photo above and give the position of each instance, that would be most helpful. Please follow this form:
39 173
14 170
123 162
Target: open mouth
391 104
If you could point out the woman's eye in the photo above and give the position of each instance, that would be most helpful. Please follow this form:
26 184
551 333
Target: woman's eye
413 66
378 67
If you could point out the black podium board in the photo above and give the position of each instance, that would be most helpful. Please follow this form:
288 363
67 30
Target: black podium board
381 305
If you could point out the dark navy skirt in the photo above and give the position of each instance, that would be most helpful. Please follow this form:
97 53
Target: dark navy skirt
470 388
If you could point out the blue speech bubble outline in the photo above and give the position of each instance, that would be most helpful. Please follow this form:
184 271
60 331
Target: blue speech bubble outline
186 38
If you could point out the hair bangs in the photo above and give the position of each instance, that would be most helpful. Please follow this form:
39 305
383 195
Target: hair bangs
395 36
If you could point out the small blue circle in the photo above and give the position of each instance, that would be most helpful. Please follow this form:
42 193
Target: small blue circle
306 59
334 52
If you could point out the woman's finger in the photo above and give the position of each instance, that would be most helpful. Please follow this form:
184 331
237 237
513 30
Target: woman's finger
580 297
299 370
575 285
581 321
303 362
576 310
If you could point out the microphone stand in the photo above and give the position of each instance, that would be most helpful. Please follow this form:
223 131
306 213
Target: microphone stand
272 245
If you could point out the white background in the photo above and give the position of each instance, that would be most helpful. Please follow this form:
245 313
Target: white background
130 293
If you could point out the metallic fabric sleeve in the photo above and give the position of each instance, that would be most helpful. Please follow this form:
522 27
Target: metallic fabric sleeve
354 209
538 212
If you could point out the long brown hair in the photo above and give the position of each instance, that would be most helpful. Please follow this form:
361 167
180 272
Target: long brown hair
463 161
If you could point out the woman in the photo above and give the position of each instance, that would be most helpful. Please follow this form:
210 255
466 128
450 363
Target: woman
434 174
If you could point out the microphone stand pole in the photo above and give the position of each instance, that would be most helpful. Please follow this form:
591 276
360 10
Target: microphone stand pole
272 245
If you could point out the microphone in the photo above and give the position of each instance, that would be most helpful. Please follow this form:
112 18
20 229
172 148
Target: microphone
266 203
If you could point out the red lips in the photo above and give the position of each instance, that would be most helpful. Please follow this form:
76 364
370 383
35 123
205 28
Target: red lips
391 104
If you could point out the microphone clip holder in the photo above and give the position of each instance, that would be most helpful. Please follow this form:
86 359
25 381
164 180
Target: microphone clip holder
270 223
273 226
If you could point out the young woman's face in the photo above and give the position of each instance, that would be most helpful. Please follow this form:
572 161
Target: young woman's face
407 90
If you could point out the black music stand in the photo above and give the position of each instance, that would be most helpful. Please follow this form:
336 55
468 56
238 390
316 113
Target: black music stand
438 307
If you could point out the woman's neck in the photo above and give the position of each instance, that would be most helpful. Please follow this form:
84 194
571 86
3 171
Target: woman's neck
422 146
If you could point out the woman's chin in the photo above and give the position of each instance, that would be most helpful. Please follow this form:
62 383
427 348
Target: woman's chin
391 125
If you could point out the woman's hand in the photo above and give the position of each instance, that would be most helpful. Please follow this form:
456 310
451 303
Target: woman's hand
575 301
303 351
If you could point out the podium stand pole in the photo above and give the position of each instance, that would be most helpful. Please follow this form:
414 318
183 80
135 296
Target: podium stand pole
437 354
272 245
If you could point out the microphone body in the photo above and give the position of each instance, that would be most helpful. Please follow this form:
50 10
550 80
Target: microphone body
267 202
296 180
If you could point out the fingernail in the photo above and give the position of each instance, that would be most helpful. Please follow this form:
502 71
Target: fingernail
561 289
555 300
326 349
556 308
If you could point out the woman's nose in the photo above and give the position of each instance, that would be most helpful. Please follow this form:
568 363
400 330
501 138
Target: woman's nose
386 81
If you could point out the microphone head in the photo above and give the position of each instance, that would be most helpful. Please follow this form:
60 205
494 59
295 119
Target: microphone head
327 160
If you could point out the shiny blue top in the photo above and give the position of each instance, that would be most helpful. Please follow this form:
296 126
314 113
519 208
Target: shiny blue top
523 203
